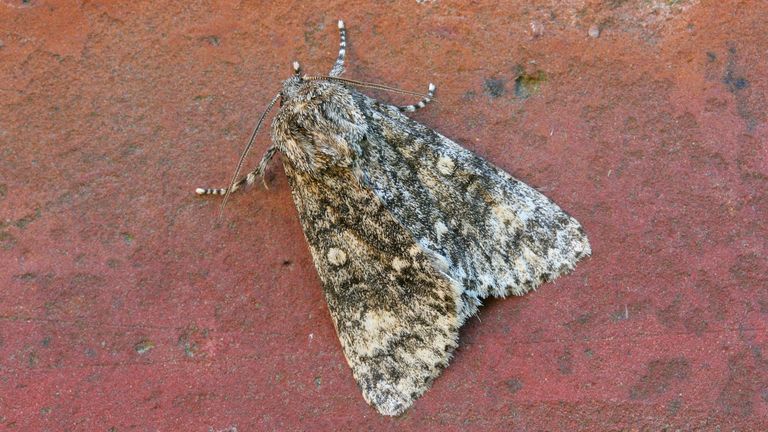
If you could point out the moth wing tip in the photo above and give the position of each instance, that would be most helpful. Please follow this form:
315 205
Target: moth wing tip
392 407
200 191
388 399
390 412
341 24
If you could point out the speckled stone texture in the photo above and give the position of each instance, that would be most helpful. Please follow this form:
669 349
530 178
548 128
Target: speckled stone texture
124 307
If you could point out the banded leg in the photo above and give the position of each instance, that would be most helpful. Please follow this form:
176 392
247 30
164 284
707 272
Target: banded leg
249 178
338 68
422 103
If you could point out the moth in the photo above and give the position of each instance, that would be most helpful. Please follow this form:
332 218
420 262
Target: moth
408 230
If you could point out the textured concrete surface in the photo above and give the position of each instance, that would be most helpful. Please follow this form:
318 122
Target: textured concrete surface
123 307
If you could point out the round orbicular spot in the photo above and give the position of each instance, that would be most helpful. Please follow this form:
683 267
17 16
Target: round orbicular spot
398 264
507 215
337 256
440 229
445 165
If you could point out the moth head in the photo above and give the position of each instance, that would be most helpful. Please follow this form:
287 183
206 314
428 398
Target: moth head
292 85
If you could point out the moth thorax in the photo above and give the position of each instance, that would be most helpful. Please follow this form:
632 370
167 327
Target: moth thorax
312 152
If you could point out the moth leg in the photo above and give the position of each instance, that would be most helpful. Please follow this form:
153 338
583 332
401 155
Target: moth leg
422 103
338 68
249 178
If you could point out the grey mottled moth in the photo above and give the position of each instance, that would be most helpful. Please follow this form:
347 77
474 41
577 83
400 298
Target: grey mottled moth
408 230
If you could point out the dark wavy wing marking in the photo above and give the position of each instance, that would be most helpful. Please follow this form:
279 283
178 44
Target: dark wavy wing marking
497 234
395 312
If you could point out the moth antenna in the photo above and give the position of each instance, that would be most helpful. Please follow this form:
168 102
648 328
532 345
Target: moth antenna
338 68
248 146
234 184
422 103
364 84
